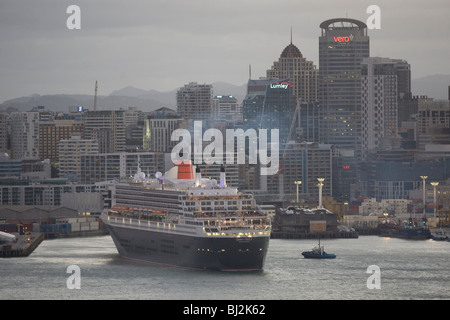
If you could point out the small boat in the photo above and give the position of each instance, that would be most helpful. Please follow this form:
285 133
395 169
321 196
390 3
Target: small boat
408 229
318 253
439 235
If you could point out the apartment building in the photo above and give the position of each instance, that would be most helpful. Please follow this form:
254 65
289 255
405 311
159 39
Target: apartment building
52 132
70 151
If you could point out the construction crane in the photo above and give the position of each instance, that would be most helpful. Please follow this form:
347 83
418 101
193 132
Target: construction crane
95 96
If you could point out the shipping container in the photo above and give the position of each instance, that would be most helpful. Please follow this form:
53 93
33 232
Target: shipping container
94 225
53 228
84 228
8 227
317 226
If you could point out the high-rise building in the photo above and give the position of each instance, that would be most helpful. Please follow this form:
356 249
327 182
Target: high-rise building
107 127
70 151
194 101
309 122
433 123
25 135
269 104
3 133
303 73
158 128
227 108
305 162
52 132
110 166
342 46
382 80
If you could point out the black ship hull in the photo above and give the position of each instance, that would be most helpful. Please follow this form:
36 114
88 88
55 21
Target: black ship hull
206 253
414 234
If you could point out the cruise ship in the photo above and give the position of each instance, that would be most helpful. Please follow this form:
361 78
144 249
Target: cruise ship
181 219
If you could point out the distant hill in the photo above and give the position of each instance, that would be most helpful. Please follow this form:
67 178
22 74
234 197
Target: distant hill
62 102
145 100
435 86
169 97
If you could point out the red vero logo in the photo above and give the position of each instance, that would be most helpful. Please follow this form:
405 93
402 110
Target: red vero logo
343 39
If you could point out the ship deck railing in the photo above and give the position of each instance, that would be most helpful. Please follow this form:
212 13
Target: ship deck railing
162 224
237 232
224 213
243 227
139 216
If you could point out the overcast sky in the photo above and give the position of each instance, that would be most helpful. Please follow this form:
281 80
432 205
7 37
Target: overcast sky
163 44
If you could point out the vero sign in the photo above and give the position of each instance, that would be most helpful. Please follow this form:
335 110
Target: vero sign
343 39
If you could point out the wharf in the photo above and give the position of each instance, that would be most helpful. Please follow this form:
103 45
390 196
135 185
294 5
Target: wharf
314 235
24 246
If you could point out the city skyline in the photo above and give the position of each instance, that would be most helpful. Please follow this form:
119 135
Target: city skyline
162 46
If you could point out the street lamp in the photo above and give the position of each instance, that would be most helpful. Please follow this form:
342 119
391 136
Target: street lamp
385 217
435 184
320 185
423 185
297 182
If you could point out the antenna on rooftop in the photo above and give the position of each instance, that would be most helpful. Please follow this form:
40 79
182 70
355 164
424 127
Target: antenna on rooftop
291 34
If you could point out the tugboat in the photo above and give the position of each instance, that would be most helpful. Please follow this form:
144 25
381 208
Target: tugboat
318 253
439 235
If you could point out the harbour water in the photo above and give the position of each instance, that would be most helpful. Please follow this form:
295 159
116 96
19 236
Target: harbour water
408 270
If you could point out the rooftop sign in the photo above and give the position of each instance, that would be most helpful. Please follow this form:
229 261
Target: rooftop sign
281 85
344 39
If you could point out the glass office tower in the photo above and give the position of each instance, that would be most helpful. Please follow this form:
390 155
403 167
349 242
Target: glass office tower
269 104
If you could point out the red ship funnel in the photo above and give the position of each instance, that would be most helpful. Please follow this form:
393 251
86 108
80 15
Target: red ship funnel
185 170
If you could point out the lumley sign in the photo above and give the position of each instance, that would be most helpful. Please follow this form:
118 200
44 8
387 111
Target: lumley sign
281 85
